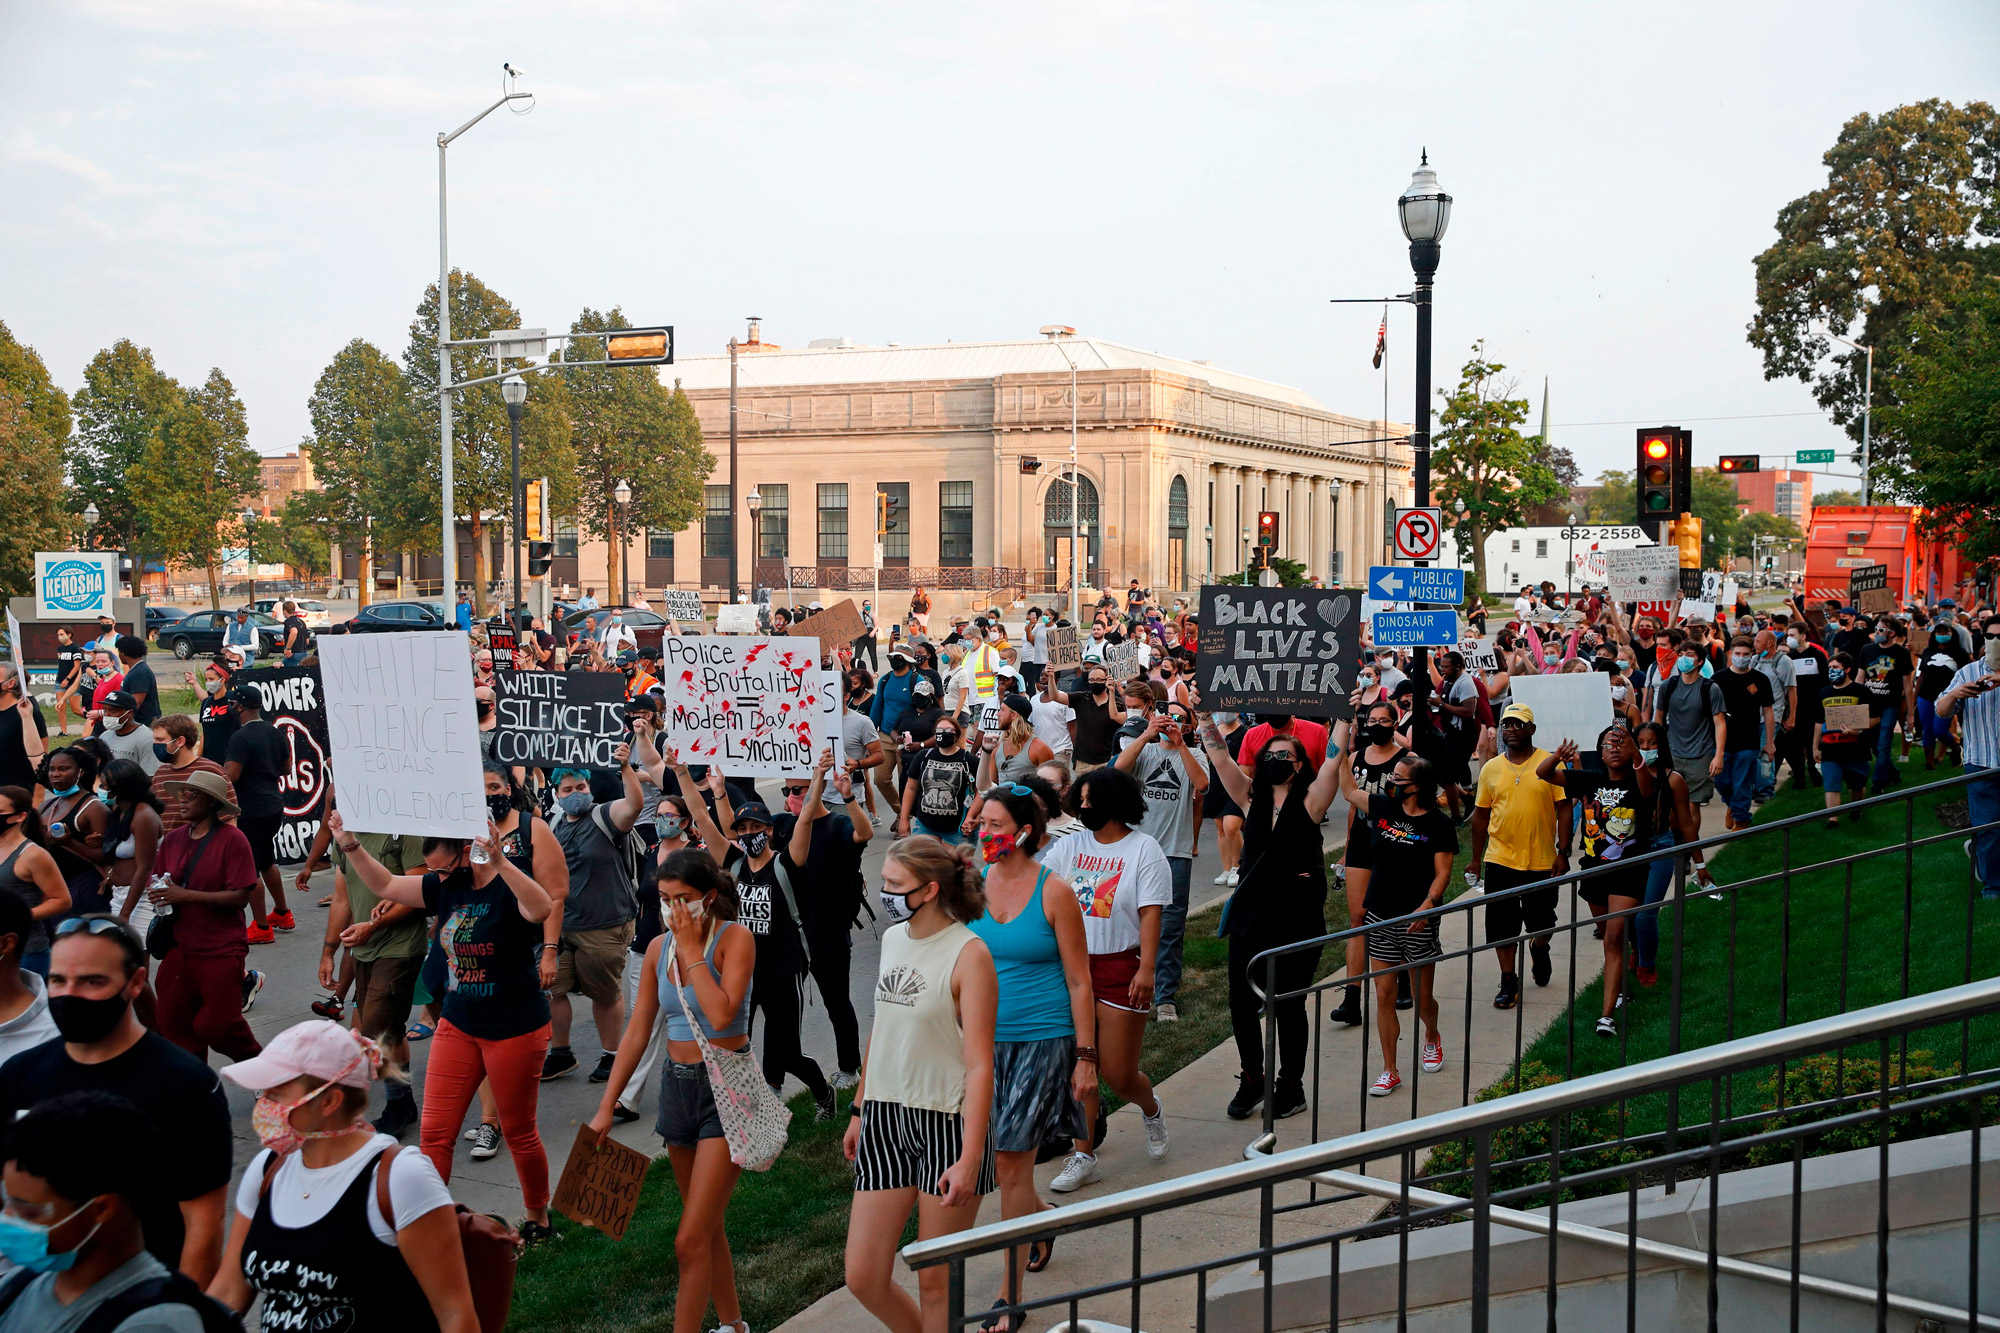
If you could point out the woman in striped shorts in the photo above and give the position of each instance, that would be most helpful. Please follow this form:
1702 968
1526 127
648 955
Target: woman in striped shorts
921 1124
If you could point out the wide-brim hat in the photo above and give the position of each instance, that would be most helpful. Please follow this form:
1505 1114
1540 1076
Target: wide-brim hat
212 785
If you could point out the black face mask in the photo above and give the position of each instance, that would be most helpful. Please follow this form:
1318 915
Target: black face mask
84 1020
1098 687
1379 733
947 739
499 805
1275 721
486 708
160 751
1092 818
1275 770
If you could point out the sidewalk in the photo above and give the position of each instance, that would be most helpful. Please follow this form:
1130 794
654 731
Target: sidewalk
1204 1138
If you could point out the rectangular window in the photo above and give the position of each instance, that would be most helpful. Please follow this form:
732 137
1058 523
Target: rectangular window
896 545
1517 546
774 521
659 544
717 528
833 520
1541 548
566 540
954 523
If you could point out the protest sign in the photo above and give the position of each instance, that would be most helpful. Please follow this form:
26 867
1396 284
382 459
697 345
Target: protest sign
1850 718
835 627
682 604
747 704
1570 706
294 703
558 719
1278 650
1868 588
1690 610
832 707
1121 660
1660 612
404 733
736 618
1643 573
1479 654
1065 654
1730 591
500 638
601 1182
1711 586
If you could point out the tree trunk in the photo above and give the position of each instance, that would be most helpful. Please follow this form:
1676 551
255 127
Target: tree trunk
1478 538
214 592
479 573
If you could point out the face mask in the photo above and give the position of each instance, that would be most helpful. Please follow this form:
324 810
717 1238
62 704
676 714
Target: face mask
757 843
211 685
1792 642
498 805
1836 675
274 1128
1618 691
1379 733
795 803
1098 687
1881 638
485 708
26 1244
576 805
668 826
1684 663
1367 682
947 739
896 907
1649 757
1093 818
1944 636
1224 719
1741 661
84 1020
1275 770
994 847
106 799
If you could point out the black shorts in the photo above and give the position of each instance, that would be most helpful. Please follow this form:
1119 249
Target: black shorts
1598 890
1360 854
909 1147
1533 912
1216 802
1392 943
262 831
687 1106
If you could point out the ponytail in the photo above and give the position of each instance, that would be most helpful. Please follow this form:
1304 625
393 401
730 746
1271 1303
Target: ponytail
961 890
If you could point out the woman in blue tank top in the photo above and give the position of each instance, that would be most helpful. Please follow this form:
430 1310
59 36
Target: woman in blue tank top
1045 1037
703 961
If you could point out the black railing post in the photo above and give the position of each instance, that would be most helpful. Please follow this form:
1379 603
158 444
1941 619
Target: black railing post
1674 1012
1270 1048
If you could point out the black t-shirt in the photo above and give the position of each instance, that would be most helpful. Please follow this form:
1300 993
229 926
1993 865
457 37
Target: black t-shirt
829 883
218 727
1745 696
1096 733
69 665
295 636
1373 779
493 990
764 912
1615 820
1883 672
16 769
945 784
178 1093
139 680
265 759
1849 747
1405 847
919 722
1941 662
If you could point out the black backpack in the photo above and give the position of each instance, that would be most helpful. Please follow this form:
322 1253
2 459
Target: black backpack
172 1289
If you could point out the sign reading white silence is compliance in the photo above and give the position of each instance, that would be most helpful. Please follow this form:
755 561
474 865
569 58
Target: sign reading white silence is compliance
746 704
1278 650
558 719
404 733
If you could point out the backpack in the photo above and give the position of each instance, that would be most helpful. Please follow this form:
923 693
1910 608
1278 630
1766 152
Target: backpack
172 1289
624 845
1708 687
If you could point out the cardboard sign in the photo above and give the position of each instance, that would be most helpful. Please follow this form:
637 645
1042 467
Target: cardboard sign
295 704
1849 718
835 627
1868 588
1479 654
404 733
1730 592
748 705
1065 653
558 719
736 618
683 604
1121 660
1643 574
601 1182
1278 650
1568 706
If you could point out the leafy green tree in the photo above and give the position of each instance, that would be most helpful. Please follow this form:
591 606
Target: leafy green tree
34 435
359 389
404 494
1837 498
627 426
481 454
300 535
1753 526
1948 424
197 469
1291 574
1616 498
1481 458
124 402
1898 234
1562 465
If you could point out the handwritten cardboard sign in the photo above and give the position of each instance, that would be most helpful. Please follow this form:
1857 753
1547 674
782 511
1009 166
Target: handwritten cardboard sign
1121 660
1868 588
558 719
601 1182
1278 650
1065 654
747 704
404 732
835 627
1479 654
1850 718
1643 574
683 604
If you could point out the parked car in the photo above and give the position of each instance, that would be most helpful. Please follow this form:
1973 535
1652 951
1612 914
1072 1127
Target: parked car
159 617
379 617
202 633
313 611
648 627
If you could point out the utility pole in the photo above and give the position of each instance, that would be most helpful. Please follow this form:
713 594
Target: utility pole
735 589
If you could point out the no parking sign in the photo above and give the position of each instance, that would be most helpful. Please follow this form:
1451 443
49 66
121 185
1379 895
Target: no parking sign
1418 533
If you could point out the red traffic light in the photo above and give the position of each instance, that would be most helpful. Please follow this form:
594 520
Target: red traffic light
1738 463
1267 527
1659 446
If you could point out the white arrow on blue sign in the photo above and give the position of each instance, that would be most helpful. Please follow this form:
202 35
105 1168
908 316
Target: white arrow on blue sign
1394 583
1416 629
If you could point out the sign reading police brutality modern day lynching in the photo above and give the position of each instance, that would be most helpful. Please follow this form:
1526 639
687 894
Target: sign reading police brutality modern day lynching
748 704
1278 650
404 734
558 719
294 703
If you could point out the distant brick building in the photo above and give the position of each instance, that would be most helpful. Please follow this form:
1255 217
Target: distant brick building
1786 492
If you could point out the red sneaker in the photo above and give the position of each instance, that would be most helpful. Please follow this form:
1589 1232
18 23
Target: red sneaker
282 921
1648 977
257 934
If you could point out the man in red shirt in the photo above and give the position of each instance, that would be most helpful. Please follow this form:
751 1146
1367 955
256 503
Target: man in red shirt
1308 733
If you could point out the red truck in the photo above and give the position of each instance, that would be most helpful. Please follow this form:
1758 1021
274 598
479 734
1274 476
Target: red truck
1843 538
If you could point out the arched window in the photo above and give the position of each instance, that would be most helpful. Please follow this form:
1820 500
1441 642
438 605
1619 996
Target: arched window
1177 526
1055 505
1177 504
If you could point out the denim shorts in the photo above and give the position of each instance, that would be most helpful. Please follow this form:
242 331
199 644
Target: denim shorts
687 1106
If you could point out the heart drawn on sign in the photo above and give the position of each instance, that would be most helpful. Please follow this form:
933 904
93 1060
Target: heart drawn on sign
1334 610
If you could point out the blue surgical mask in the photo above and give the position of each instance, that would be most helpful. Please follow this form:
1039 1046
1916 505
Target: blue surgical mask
26 1244
576 805
1649 757
1684 663
70 790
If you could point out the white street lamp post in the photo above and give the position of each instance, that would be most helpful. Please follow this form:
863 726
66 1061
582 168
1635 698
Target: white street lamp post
1055 333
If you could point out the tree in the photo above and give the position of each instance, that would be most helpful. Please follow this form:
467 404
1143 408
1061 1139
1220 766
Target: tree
1897 234
196 471
1562 463
404 491
300 535
481 455
359 390
1616 499
1948 424
1838 498
1753 526
1291 574
34 435
627 426
1481 458
124 401
1715 504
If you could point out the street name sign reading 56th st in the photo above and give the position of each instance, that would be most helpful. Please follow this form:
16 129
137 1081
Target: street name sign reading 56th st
1438 586
1278 650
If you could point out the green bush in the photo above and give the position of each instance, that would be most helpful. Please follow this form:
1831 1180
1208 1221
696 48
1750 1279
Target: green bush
1858 1078
1532 1140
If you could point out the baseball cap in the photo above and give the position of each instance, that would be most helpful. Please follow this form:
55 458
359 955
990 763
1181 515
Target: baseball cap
120 701
1518 713
895 653
627 657
752 812
322 1049
923 687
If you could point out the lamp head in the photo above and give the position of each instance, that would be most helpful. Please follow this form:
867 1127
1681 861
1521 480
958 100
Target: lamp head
91 514
622 493
514 390
755 500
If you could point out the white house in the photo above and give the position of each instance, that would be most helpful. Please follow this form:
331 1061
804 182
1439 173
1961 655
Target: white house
1568 557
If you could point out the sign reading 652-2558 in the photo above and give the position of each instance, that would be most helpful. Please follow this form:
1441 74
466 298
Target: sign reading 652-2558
75 585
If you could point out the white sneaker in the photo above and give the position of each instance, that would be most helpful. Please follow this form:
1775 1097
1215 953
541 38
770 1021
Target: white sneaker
1156 1129
485 1142
846 1079
1078 1171
1167 1013
1433 1056
1232 878
1223 878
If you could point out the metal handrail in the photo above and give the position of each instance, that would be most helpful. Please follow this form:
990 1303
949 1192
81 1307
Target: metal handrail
1916 1011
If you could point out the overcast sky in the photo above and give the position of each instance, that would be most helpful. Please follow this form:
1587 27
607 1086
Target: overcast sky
251 183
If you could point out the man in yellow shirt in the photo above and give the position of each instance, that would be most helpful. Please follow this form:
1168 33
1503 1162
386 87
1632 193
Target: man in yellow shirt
1520 834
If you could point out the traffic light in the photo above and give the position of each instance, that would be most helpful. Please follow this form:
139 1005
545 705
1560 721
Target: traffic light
540 556
1685 534
640 347
1267 529
1737 463
888 513
531 510
1663 478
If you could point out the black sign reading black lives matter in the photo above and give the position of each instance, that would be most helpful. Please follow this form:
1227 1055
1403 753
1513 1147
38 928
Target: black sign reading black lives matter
1278 650
558 719
295 704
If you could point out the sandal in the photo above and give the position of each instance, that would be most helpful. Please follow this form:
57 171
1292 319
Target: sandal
1041 1252
326 901
419 1031
998 1323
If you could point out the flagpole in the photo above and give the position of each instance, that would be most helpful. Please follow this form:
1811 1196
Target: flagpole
1384 446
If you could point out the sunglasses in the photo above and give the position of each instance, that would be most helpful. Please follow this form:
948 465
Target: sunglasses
94 925
1016 789
795 791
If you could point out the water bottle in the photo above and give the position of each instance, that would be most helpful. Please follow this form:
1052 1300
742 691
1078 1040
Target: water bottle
159 884
480 856
57 828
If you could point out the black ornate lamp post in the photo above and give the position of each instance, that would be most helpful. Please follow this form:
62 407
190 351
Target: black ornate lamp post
1425 212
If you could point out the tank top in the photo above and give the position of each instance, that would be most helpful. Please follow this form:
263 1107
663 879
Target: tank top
519 845
1017 766
916 1052
1282 893
38 934
68 863
1034 998
334 1273
675 1013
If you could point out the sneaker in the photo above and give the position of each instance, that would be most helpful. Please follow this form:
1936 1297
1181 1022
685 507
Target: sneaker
1385 1083
253 981
1156 1129
397 1117
485 1141
1231 881
282 921
535 1233
557 1062
1647 976
1222 878
1538 958
845 1079
621 1114
825 1108
602 1074
1249 1096
1288 1099
1404 1000
1607 1027
1349 1011
330 1007
1433 1056
1509 994
1597 931
1078 1171
1168 1012
257 934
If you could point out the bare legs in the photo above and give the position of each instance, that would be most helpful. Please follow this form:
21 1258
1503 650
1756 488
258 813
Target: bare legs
706 1178
873 1229
1388 1028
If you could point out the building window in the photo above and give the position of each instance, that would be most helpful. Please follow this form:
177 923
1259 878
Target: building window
1541 548
774 521
833 520
566 540
659 544
1517 546
954 523
718 529
896 545
1177 503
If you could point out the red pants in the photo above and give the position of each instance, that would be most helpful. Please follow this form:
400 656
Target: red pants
451 1080
200 1004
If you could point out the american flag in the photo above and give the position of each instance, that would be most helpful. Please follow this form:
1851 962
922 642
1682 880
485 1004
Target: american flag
1381 340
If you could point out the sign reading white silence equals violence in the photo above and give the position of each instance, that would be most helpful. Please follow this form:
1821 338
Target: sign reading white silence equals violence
749 705
404 733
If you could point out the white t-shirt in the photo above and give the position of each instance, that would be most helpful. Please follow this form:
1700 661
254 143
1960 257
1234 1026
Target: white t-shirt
33 1025
1524 607
617 638
1112 881
302 1196
1051 723
1091 650
1035 645
856 733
